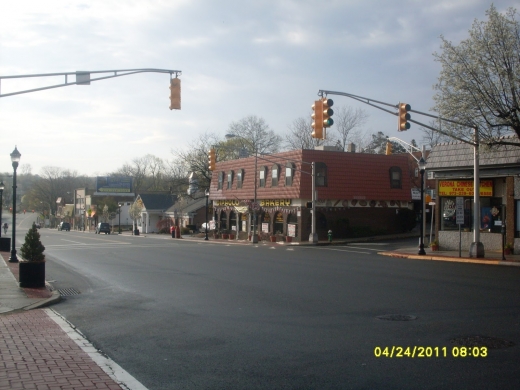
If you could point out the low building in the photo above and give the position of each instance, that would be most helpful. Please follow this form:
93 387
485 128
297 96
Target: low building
357 194
153 210
452 166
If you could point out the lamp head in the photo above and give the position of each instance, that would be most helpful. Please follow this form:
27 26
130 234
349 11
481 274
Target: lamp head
422 164
15 157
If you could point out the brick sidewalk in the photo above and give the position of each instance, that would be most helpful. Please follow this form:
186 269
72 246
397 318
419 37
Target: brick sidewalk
36 353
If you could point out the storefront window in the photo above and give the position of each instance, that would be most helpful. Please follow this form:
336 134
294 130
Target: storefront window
230 180
262 174
275 172
240 178
321 174
491 214
278 223
220 180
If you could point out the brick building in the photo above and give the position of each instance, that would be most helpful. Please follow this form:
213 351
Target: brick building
357 194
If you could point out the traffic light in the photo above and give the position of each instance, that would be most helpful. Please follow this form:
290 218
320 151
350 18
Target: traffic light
212 159
317 117
327 112
403 117
322 117
175 94
388 148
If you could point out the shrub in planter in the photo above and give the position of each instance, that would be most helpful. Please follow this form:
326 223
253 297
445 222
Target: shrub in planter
32 269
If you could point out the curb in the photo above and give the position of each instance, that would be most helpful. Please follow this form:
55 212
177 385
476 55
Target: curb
449 258
55 298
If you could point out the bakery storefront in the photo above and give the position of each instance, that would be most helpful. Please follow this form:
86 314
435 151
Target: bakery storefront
291 220
274 216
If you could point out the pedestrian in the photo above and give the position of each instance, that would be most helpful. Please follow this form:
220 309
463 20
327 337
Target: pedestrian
330 236
5 227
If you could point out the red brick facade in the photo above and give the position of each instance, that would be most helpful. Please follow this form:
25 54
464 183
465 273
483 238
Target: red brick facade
354 191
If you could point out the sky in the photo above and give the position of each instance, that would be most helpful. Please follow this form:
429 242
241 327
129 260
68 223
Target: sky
238 58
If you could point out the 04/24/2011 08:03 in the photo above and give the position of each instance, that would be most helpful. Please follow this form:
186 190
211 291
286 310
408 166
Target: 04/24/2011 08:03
430 352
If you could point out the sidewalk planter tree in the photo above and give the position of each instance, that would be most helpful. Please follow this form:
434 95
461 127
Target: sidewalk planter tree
32 268
434 245
508 249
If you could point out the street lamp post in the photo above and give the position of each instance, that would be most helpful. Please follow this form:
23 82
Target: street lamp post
1 204
422 167
15 159
120 204
254 237
207 202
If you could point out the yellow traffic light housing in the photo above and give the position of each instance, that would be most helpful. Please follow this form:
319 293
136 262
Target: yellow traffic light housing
212 159
175 94
327 112
403 117
322 117
388 148
317 117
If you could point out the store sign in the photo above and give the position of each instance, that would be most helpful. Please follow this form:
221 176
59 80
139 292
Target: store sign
416 194
464 188
275 202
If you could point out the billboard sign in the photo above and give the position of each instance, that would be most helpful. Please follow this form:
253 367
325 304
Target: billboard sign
108 185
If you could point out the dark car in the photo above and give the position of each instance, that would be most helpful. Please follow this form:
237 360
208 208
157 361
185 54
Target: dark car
64 226
103 227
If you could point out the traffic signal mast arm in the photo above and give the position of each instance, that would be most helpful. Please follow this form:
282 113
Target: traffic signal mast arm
371 102
83 77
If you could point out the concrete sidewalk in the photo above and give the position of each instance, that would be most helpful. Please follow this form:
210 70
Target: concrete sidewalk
39 349
490 258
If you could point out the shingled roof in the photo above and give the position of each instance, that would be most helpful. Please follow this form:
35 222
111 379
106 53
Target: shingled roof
455 155
158 201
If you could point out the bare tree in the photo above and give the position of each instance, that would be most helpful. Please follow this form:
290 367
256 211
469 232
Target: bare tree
432 137
479 84
300 136
347 121
193 159
254 135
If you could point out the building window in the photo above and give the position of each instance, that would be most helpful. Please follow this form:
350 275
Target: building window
289 172
275 175
220 180
395 177
230 180
321 174
262 175
240 178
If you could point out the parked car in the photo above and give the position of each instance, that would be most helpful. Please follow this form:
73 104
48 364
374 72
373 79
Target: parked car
103 227
64 226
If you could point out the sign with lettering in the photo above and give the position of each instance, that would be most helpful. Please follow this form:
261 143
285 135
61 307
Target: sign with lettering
464 188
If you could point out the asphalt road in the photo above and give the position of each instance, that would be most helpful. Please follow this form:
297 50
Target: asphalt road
179 314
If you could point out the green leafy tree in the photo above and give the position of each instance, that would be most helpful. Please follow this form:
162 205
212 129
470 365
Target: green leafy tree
32 249
479 84
378 145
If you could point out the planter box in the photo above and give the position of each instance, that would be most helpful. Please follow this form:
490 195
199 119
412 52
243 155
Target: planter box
225 236
32 274
272 238
288 239
5 244
231 236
